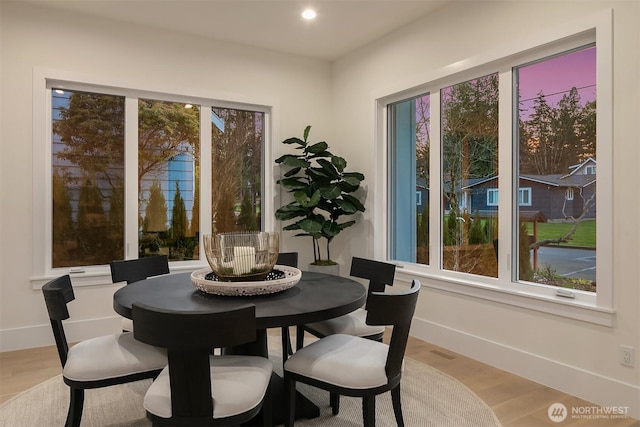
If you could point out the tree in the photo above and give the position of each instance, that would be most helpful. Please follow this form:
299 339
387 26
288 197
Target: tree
179 221
247 220
63 227
92 130
236 162
91 225
155 219
163 129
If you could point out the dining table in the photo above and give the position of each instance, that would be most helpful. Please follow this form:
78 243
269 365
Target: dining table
316 297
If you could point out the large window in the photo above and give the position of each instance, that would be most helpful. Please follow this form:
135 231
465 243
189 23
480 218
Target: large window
510 148
98 167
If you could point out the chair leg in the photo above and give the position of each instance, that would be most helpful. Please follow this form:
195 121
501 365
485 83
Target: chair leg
334 401
286 345
299 337
267 409
76 402
397 406
290 400
369 411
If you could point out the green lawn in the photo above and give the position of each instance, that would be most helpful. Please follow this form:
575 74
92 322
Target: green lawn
585 234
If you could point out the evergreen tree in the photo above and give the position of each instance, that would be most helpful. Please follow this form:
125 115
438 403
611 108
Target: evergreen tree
155 219
91 224
179 222
247 217
62 219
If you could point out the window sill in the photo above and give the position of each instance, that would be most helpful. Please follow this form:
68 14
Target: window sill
558 306
101 276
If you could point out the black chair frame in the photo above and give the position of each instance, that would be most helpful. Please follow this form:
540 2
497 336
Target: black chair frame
57 294
134 270
289 259
188 338
383 309
380 274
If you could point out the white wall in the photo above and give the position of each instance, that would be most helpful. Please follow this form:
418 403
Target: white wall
574 356
34 37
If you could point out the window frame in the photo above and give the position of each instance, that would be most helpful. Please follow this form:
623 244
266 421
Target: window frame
590 307
493 193
43 81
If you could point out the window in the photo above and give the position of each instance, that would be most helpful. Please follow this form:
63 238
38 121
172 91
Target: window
524 196
492 197
513 158
111 190
569 194
556 106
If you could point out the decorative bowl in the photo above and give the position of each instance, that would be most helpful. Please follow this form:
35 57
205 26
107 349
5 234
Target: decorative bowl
242 257
286 278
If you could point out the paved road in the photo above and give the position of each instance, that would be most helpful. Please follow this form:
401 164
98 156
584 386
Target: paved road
577 263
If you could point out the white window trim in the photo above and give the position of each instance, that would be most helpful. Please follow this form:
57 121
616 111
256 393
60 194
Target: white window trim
491 191
585 306
43 80
526 190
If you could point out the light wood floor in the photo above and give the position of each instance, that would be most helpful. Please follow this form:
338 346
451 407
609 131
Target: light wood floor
517 402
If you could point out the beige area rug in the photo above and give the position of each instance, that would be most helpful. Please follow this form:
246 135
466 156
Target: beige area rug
429 398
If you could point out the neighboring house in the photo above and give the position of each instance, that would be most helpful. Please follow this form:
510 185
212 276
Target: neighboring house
545 193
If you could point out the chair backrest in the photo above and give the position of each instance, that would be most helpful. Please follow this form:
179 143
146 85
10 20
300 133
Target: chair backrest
134 270
378 273
188 338
57 294
394 310
290 259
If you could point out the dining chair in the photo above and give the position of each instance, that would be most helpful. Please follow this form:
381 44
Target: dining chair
197 388
355 366
290 259
96 362
379 275
134 270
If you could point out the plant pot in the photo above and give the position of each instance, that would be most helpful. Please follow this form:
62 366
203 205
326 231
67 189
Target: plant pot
327 269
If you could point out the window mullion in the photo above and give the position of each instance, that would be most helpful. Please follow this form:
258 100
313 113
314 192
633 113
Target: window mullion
205 173
435 184
507 190
131 178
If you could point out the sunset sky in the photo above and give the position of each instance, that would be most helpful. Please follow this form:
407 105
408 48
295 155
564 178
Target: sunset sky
556 76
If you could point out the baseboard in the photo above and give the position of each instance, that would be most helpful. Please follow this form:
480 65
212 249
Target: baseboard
590 386
41 335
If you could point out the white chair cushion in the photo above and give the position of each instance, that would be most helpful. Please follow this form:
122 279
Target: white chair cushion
238 384
342 360
112 356
353 323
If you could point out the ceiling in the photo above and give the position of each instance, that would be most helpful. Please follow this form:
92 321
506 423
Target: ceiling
341 26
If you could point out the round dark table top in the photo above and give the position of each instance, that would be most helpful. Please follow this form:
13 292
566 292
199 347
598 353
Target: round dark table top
316 297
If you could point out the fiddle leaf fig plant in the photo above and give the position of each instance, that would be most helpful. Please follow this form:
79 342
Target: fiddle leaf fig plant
322 193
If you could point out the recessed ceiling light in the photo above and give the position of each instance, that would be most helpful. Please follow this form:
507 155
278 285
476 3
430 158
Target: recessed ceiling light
309 14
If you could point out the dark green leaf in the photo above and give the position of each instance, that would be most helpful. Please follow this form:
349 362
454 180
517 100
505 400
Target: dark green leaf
356 175
295 162
310 226
346 206
306 132
293 183
292 172
359 206
329 168
317 147
330 192
353 181
294 141
339 163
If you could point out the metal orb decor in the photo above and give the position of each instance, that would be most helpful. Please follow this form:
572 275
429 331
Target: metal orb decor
242 256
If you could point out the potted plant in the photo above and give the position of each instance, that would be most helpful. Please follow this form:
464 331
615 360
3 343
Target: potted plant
322 193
